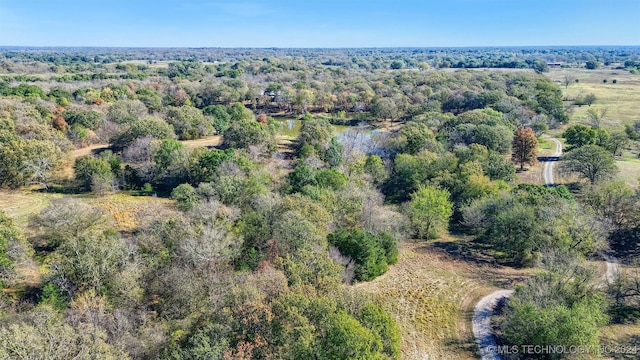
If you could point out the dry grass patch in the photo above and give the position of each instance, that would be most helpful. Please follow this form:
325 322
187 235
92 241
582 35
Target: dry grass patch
130 211
431 296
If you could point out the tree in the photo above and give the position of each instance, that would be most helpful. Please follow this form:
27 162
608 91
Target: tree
557 307
568 79
591 65
147 127
429 211
304 98
315 133
596 116
189 122
525 147
540 66
592 162
579 135
89 171
371 252
397 64
617 141
243 134
44 334
615 201
590 98
126 111
497 138
220 115
8 235
86 118
385 108
186 196
346 338
68 218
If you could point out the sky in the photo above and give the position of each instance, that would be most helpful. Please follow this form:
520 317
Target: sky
320 23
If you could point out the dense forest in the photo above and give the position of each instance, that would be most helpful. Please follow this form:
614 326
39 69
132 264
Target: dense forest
251 241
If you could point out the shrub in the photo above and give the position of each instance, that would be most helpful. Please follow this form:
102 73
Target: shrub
371 252
186 196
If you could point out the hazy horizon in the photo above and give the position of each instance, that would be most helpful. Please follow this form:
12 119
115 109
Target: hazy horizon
326 24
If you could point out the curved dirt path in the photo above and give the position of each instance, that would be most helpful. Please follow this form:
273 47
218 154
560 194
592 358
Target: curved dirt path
481 323
548 166
484 309
214 140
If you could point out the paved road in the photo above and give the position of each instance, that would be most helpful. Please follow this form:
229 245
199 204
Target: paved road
484 309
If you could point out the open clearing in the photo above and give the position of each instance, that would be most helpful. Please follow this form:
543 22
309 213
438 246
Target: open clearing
21 204
126 209
431 293
622 99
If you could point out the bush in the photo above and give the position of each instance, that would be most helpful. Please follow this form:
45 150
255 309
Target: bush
86 118
186 196
88 170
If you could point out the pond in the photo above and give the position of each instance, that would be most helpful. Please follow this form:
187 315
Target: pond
291 127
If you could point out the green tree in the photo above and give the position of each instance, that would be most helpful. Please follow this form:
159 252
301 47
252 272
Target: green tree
147 127
540 66
429 211
372 253
346 339
8 235
385 109
186 196
126 111
525 147
560 306
12 157
86 118
617 141
591 65
595 116
592 162
88 170
300 177
315 133
243 134
579 135
375 168
189 122
220 115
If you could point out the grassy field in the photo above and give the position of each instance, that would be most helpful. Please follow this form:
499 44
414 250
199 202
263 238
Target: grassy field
21 204
431 293
126 209
622 99
629 166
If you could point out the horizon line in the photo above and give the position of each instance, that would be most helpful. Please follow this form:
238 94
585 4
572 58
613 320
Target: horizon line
311 48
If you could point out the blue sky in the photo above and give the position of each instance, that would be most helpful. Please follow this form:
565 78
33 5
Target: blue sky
322 23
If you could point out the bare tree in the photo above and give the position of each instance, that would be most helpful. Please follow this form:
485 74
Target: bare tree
595 116
41 170
568 80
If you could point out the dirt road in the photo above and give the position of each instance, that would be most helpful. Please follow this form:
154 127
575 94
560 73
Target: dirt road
485 308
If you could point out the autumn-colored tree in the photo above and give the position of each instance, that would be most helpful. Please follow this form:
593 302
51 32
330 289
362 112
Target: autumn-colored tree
262 119
59 123
525 147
